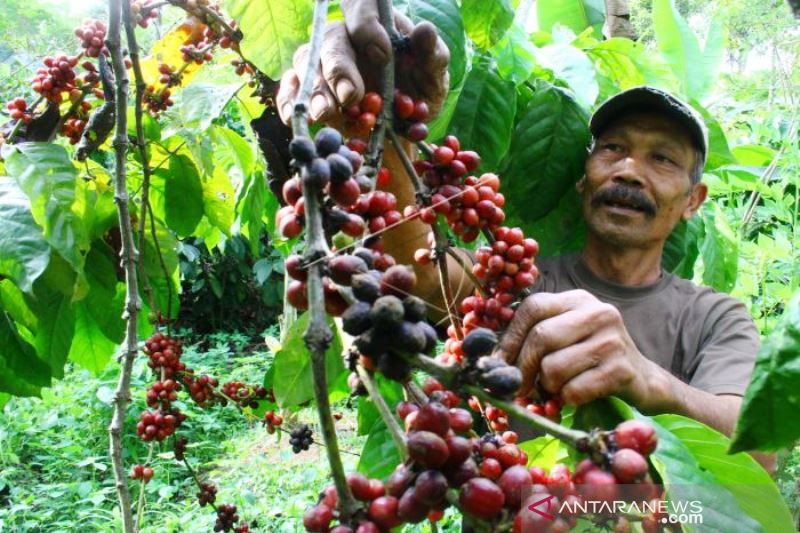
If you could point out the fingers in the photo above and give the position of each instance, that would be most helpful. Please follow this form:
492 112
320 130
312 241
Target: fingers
287 92
560 366
533 310
590 385
339 66
322 103
369 39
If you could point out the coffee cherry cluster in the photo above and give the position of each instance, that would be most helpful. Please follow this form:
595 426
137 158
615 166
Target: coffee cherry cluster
201 389
207 494
158 425
169 75
410 116
226 517
164 353
301 438
549 408
156 100
56 77
272 421
163 393
360 118
243 394
388 321
75 125
196 53
143 13
180 448
145 473
92 34
18 110
240 66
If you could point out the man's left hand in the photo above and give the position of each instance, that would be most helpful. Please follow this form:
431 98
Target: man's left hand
578 347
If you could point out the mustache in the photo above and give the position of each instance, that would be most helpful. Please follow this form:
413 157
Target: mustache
626 196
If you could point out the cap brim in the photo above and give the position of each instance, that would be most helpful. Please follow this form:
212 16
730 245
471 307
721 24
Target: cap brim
649 99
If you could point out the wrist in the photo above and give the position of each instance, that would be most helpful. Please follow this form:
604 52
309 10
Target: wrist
657 394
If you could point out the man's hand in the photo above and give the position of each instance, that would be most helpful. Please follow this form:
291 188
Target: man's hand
576 346
354 51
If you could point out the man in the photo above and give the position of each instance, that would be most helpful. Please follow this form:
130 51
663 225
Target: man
608 321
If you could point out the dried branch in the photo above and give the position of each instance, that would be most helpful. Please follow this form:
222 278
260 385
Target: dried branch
318 336
130 258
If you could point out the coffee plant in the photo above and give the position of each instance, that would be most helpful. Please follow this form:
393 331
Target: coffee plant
452 412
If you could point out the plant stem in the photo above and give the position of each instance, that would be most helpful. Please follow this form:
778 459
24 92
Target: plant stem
374 154
447 374
318 336
140 506
397 433
130 257
467 270
442 245
420 188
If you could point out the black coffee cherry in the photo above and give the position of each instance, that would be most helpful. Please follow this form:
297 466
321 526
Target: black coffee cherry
328 141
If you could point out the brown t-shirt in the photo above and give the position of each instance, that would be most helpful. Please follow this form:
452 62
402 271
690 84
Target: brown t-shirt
705 338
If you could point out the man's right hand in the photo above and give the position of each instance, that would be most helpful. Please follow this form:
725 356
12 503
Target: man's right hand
354 51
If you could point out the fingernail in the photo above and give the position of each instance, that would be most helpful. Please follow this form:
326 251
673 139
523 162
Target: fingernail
318 106
376 54
344 90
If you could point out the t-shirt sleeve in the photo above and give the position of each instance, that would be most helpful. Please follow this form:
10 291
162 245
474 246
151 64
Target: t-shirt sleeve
728 348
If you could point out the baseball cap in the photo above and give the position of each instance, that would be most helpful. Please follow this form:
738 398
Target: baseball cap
651 99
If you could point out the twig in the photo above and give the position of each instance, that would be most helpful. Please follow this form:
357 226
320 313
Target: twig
419 187
374 153
415 393
196 479
440 238
318 336
140 506
129 257
467 270
163 265
447 374
397 433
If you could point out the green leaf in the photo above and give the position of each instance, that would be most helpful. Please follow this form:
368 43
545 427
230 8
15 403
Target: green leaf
219 200
562 230
747 480
391 391
630 64
486 22
56 326
548 150
443 14
273 30
163 283
682 248
514 55
574 14
22 373
101 303
24 253
753 155
544 451
293 384
181 198
233 154
379 457
46 175
719 250
767 420
12 301
573 67
197 106
90 348
439 126
695 68
251 198
719 153
484 114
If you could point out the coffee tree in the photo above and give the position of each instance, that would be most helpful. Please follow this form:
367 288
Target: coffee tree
513 128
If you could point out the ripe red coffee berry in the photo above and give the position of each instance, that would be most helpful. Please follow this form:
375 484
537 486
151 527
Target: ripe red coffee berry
359 485
434 417
599 486
317 519
460 420
383 511
515 483
481 498
636 435
628 466
399 281
428 449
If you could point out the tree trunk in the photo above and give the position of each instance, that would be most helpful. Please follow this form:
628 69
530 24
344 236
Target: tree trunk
618 20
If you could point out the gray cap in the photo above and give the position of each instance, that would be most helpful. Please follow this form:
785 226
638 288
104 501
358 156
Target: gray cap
651 99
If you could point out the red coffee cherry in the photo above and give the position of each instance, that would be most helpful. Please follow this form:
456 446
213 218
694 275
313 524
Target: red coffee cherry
636 435
628 466
481 498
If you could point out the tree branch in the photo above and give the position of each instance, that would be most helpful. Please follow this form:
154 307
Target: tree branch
129 257
318 336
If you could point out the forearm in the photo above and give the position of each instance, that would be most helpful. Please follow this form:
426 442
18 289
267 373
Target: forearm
405 239
668 394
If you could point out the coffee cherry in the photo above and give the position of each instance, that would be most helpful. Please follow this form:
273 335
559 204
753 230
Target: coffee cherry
318 518
433 417
387 313
327 141
481 498
599 485
515 483
383 511
398 280
430 487
628 466
302 150
410 509
428 449
636 435
343 267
